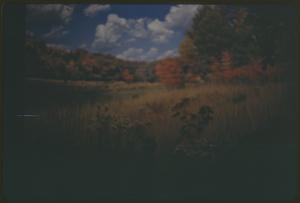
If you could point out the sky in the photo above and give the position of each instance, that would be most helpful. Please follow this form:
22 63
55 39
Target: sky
131 32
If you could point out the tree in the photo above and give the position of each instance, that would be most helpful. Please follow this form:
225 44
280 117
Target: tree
169 72
188 54
88 66
260 36
126 76
211 34
275 32
244 46
224 28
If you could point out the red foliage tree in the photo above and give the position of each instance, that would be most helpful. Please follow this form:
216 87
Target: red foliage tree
126 76
169 72
225 70
248 73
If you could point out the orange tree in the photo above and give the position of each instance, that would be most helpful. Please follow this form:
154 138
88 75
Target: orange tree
169 72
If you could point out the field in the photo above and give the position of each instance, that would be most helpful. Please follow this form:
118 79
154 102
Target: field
117 140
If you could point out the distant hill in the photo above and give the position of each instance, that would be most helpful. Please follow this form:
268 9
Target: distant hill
49 61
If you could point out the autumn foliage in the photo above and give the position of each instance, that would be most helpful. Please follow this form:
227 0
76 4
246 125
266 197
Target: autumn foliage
169 72
225 70
126 76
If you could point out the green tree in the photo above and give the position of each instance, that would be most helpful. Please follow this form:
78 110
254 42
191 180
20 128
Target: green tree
211 34
189 56
274 29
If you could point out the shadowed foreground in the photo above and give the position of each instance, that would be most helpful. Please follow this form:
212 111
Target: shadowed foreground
109 147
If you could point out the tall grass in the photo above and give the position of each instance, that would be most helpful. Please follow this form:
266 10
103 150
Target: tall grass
238 110
154 136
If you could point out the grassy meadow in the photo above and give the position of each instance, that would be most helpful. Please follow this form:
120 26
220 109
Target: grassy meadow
140 139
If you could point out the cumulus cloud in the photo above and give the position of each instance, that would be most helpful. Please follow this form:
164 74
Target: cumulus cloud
108 35
117 31
159 32
138 27
180 15
93 9
139 54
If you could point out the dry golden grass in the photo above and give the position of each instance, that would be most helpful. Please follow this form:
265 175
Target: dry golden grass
238 110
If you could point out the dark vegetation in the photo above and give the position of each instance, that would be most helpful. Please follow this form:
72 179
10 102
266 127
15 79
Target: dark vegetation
215 142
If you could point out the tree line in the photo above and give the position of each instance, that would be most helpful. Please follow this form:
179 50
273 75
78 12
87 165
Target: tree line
224 43
238 44
58 63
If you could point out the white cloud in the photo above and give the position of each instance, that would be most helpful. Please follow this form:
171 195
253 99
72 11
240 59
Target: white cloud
152 51
93 9
115 19
159 32
150 55
139 54
55 32
180 15
108 35
168 53
131 54
57 46
138 27
117 31
51 12
157 26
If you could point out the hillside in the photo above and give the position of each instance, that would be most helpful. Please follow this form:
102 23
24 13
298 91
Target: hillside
45 61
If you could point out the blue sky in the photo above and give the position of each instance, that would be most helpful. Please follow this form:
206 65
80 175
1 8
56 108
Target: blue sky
132 32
